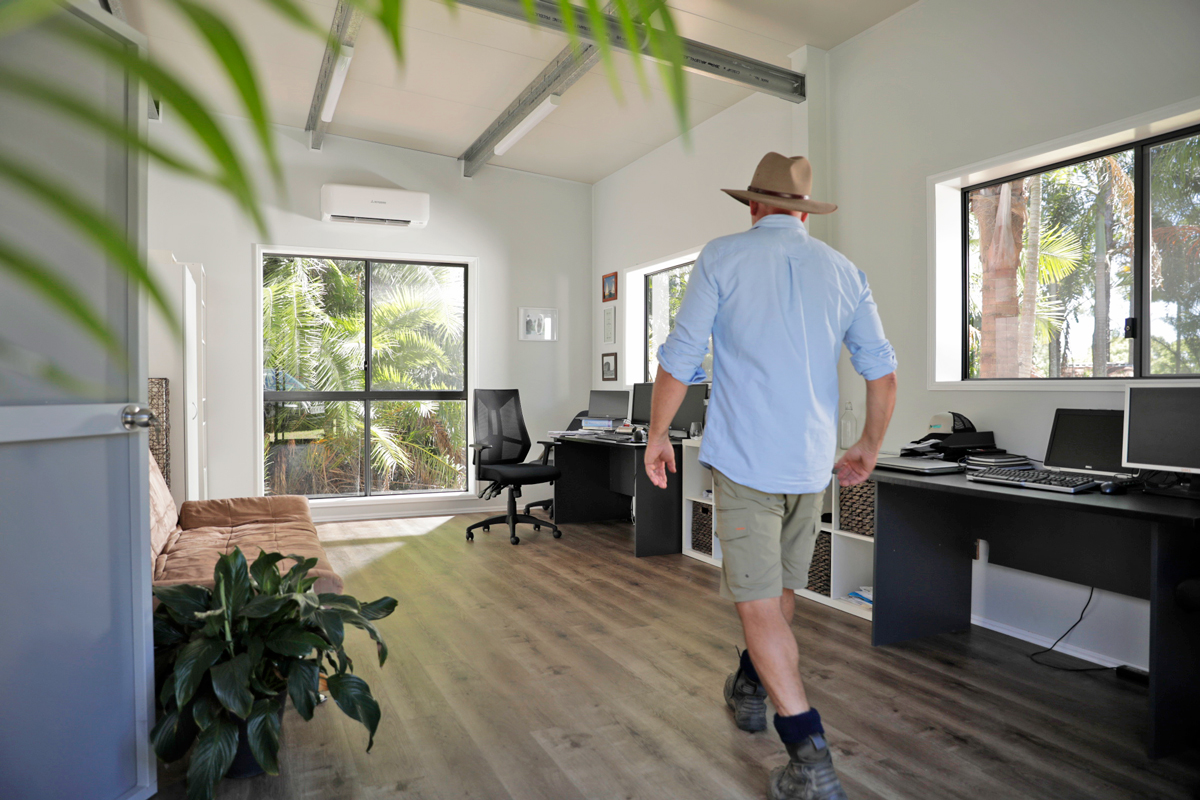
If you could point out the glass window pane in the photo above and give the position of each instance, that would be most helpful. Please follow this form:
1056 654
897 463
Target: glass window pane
313 448
1048 256
417 326
664 295
418 446
313 324
1175 257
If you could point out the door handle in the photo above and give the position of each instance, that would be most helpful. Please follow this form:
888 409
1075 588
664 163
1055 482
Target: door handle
135 416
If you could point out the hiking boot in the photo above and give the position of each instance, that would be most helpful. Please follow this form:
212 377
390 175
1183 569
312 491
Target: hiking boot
748 700
808 776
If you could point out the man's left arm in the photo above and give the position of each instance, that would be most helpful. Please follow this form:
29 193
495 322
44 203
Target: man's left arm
680 361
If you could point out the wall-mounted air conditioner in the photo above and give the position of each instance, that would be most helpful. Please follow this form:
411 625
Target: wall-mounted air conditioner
374 206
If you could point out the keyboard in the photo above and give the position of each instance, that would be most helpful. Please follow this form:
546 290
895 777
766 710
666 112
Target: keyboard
1043 479
615 437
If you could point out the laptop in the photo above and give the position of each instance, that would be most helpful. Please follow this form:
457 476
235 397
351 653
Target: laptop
921 466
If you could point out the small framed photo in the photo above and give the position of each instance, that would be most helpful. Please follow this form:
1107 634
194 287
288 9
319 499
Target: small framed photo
608 287
610 325
538 325
608 367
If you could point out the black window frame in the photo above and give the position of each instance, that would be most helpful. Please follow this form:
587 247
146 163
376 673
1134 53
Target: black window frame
646 313
367 394
1141 348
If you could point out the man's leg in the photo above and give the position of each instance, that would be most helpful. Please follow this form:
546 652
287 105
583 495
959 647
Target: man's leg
773 651
787 604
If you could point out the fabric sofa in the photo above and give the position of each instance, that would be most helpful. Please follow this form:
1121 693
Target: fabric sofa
186 543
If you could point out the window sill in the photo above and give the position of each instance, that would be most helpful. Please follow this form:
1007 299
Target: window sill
387 499
1053 384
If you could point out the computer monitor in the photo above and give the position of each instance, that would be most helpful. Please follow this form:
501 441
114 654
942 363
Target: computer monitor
692 408
1162 432
642 397
611 405
1085 440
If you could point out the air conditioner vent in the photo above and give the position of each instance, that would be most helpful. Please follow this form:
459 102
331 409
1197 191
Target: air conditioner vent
400 223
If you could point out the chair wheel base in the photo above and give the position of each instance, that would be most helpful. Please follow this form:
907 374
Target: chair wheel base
514 540
470 537
487 528
558 534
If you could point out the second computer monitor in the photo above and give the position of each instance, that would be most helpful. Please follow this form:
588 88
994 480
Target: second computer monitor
611 405
690 410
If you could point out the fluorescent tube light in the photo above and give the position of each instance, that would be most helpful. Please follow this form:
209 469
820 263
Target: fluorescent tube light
526 125
336 82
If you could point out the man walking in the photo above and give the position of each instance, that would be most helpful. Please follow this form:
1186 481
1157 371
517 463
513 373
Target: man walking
778 305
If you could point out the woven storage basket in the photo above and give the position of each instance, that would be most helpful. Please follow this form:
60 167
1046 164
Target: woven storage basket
818 571
856 508
702 534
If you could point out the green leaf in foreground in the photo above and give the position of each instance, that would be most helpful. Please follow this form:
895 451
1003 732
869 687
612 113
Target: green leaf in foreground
262 731
173 734
231 684
193 661
211 758
353 697
303 680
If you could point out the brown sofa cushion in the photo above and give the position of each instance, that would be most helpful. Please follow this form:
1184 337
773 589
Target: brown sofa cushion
213 528
164 517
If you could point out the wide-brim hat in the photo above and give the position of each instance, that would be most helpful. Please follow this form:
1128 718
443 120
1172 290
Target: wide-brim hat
782 182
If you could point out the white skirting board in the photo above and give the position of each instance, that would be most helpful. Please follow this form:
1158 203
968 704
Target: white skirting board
1044 641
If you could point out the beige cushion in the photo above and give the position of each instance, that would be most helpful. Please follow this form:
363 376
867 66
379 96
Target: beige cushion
213 528
164 517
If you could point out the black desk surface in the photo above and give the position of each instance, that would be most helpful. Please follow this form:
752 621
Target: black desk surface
1155 508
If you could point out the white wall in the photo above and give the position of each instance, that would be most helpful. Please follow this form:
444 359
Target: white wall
669 201
948 83
531 234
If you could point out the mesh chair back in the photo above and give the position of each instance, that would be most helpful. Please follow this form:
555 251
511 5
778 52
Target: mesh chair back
500 426
577 423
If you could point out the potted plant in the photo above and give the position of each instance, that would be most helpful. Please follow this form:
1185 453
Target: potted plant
227 658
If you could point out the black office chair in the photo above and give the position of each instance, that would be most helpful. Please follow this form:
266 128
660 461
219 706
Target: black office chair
548 504
501 445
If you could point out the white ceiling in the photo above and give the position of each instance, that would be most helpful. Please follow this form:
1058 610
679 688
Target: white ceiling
462 68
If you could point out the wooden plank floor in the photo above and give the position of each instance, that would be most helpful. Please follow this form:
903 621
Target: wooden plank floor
567 669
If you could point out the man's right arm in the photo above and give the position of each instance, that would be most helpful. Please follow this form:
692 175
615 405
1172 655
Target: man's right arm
856 465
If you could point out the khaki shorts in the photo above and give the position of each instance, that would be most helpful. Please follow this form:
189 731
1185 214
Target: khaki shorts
767 540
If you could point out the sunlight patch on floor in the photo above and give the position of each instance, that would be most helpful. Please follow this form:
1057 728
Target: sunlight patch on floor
351 546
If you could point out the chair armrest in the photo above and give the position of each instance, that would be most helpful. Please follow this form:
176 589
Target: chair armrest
478 448
547 449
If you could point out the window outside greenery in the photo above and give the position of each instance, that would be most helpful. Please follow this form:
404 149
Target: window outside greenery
664 295
1056 264
360 402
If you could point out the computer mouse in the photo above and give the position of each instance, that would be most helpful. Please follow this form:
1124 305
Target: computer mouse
1108 487
639 436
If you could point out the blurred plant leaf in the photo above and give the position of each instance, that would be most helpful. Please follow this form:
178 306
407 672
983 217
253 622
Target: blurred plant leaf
18 14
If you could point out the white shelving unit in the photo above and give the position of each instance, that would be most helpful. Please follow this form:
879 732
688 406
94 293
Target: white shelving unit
851 557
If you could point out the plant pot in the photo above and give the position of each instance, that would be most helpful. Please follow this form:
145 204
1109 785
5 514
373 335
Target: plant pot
245 765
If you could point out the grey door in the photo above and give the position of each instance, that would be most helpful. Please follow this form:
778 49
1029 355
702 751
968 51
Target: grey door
76 660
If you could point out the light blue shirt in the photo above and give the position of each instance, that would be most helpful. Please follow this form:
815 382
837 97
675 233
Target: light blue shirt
779 304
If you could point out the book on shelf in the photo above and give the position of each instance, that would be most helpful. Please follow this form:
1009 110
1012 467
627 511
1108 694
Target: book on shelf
862 596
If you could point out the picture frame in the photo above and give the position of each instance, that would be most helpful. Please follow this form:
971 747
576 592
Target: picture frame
537 324
610 325
608 367
608 287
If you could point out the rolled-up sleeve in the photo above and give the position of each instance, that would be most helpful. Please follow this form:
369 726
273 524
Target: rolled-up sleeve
871 353
683 353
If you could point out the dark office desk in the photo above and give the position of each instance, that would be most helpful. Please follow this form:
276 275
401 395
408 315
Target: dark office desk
599 479
1135 544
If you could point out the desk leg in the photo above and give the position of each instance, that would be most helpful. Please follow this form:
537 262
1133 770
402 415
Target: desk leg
923 552
582 493
1174 643
658 530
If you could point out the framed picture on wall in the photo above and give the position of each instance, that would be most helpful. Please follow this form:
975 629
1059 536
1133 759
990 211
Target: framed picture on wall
610 325
608 367
608 287
538 325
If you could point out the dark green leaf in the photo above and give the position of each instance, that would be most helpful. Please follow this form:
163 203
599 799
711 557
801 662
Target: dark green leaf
262 730
184 600
330 621
225 45
307 583
293 640
173 734
264 606
303 678
205 709
193 661
265 571
166 695
166 633
212 757
296 574
353 697
231 684
358 621
329 600
378 609
254 648
231 581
